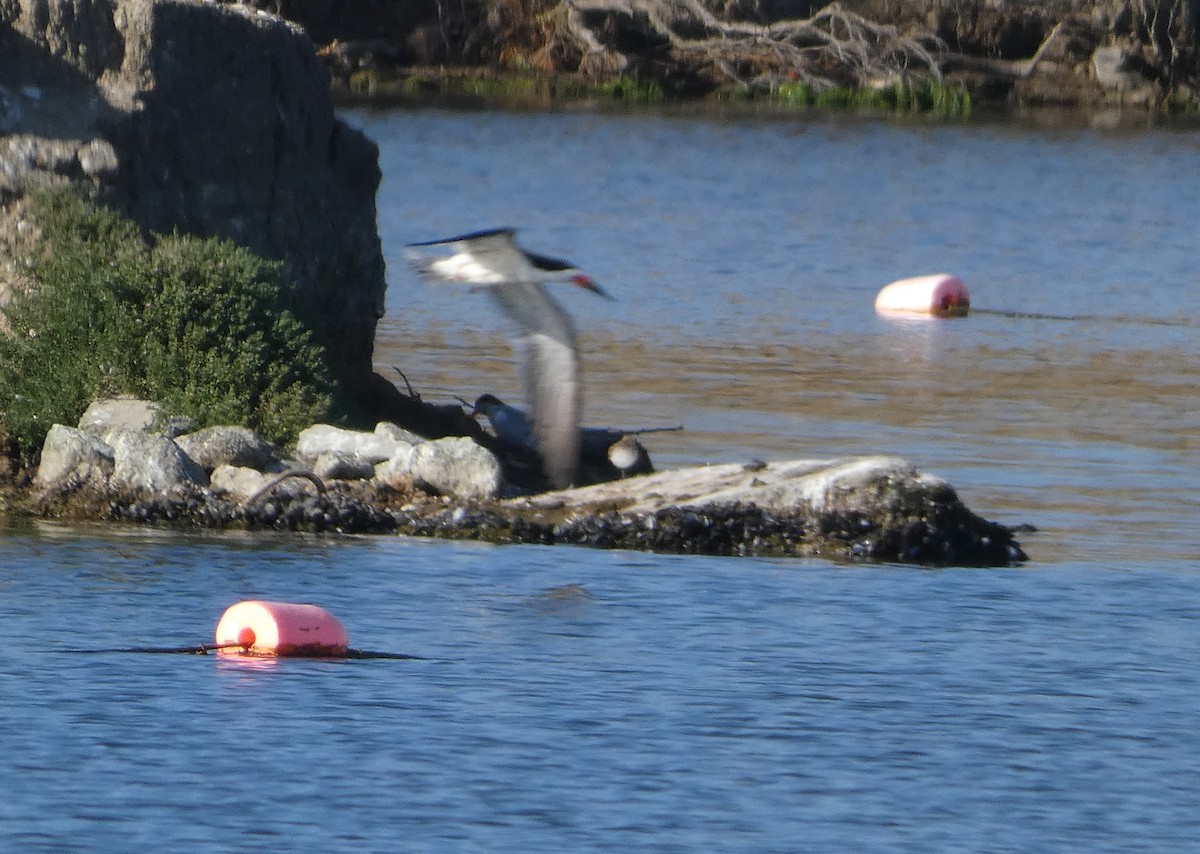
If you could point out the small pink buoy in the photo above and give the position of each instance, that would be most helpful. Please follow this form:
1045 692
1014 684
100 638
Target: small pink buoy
280 629
940 295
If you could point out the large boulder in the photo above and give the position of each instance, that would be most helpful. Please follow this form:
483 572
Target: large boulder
73 457
211 447
200 118
150 464
456 466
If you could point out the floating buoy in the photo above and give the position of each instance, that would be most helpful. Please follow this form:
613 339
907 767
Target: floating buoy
280 629
940 295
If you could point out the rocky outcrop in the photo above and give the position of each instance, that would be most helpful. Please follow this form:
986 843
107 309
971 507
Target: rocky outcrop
874 508
206 119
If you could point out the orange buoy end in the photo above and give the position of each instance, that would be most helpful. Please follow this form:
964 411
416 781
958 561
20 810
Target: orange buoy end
939 295
280 629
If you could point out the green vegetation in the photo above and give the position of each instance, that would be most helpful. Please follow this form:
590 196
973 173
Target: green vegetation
521 88
515 87
200 326
902 98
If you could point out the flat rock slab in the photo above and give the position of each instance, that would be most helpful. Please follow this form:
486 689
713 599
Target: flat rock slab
854 484
875 508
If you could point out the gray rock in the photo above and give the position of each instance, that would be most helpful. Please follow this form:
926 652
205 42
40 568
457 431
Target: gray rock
147 463
242 484
321 439
1111 65
69 453
120 413
396 472
238 482
336 465
93 91
457 467
397 433
234 446
868 485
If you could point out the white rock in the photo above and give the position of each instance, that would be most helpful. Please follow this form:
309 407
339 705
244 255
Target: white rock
397 433
239 482
456 466
325 439
69 452
120 413
396 471
847 484
150 463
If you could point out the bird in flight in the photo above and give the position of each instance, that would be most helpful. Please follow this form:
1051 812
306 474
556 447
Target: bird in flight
492 261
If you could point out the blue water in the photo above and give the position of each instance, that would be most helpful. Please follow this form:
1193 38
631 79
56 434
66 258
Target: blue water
577 700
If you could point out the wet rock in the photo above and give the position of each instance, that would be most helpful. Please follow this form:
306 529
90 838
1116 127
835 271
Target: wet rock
458 467
232 446
154 464
70 454
881 508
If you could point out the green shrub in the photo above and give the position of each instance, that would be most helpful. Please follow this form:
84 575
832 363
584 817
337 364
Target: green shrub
201 326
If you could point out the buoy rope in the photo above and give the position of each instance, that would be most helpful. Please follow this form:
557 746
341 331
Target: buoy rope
205 648
280 478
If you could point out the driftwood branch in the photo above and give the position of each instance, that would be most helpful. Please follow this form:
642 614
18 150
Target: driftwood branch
833 46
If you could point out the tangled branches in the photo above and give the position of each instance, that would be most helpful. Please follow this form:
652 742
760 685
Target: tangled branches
834 47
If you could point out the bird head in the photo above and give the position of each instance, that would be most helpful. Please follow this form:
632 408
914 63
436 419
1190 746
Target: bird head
485 403
589 284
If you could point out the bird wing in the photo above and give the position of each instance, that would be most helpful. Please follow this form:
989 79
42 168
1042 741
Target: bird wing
480 258
550 370
551 375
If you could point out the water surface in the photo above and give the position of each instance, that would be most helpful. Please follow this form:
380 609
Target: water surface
576 700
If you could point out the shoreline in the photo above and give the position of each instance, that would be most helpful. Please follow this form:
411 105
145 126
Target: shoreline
489 89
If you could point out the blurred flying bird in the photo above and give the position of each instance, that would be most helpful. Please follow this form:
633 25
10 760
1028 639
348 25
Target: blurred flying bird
492 260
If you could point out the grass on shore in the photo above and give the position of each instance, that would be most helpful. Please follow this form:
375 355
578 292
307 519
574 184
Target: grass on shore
523 88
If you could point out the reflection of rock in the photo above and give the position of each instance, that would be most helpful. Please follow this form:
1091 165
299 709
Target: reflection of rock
208 119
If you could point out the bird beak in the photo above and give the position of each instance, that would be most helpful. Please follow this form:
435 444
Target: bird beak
588 283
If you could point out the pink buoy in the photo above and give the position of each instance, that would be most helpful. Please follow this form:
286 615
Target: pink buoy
940 295
280 629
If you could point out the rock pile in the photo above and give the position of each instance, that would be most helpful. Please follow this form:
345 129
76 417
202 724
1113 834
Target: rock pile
121 464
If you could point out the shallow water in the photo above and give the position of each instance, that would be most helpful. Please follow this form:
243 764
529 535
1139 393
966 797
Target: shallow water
576 700
745 257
